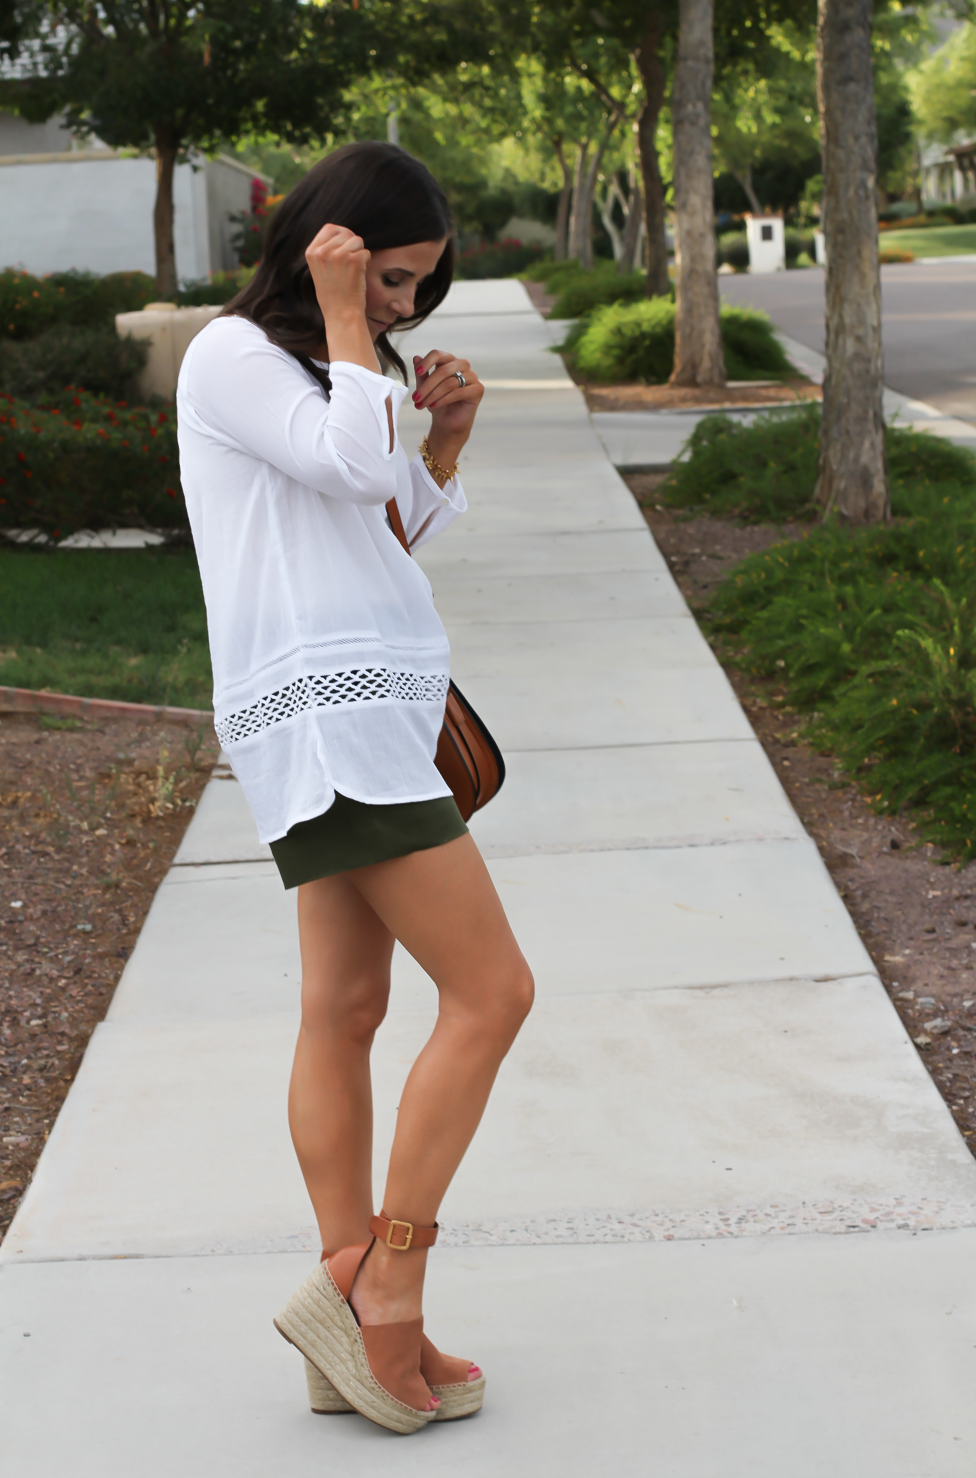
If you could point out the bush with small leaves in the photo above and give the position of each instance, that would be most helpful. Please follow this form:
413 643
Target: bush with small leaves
88 463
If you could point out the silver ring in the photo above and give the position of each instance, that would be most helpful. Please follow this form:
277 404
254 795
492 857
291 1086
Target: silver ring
460 378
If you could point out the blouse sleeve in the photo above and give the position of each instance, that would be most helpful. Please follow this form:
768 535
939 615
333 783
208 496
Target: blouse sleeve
249 392
432 508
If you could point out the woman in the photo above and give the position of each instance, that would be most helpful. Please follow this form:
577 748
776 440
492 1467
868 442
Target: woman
330 676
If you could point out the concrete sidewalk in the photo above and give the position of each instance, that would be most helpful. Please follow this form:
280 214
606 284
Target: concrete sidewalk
718 1222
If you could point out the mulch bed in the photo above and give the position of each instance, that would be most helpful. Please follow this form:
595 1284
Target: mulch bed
696 397
917 918
91 815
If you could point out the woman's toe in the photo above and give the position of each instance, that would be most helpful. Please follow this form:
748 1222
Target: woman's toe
474 1372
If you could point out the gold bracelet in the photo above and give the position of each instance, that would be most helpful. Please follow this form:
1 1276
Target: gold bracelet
434 467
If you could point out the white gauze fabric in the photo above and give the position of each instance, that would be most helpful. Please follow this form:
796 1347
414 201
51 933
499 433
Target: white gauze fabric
330 662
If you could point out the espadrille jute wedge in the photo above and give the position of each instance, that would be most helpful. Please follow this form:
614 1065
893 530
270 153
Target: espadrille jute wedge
376 1367
458 1397
449 1379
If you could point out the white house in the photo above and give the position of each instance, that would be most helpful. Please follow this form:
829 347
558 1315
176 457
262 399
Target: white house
89 207
949 173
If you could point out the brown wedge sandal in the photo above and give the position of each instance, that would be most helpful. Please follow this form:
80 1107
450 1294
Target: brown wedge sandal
449 1378
376 1367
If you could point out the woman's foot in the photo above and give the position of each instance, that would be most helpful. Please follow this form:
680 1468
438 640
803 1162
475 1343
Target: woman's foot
386 1293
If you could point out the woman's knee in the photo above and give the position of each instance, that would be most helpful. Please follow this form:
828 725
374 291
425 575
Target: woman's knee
353 1009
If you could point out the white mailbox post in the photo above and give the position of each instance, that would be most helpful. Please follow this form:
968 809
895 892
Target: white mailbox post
767 246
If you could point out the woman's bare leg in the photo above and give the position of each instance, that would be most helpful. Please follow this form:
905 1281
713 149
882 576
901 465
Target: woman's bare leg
442 906
346 953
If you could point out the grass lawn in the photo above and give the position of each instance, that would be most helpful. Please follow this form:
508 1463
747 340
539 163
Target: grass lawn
126 624
933 241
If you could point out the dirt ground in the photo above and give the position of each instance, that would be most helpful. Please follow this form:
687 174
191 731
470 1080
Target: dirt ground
90 818
916 917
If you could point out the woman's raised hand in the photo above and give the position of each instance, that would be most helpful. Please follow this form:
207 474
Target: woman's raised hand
452 406
337 261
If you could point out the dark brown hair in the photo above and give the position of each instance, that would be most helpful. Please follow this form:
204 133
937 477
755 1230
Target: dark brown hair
384 195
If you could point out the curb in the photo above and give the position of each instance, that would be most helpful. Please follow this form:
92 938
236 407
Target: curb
27 700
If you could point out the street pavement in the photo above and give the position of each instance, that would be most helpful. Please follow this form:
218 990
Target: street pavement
928 324
718 1223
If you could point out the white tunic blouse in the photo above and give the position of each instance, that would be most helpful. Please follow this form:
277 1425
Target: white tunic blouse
330 664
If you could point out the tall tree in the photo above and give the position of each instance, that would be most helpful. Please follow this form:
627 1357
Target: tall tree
698 340
853 478
181 75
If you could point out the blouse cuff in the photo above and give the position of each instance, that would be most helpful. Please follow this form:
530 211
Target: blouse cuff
451 495
378 389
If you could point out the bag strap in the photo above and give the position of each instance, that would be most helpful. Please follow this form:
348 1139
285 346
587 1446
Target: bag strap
396 523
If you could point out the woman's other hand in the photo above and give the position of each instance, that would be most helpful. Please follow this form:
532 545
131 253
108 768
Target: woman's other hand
452 406
337 261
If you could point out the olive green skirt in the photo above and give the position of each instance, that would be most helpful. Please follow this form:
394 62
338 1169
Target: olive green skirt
351 834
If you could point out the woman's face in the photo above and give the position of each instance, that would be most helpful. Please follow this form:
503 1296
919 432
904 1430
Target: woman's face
392 279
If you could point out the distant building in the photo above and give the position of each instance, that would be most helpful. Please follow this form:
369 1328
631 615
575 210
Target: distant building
949 173
65 204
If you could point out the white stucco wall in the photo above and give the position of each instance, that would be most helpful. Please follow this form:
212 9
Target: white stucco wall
93 211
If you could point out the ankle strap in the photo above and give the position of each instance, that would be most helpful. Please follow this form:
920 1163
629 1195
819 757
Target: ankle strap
400 1236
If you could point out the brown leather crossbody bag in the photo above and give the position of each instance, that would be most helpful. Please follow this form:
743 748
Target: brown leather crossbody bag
467 756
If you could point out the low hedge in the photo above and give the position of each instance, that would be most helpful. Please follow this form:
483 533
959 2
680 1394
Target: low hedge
635 341
38 369
505 258
585 290
88 463
870 630
29 305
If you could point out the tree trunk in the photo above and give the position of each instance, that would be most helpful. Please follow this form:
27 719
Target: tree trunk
632 225
697 335
605 207
562 212
585 214
853 476
745 180
648 60
163 216
575 247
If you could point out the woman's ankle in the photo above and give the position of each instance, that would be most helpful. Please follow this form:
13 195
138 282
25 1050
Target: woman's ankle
389 1286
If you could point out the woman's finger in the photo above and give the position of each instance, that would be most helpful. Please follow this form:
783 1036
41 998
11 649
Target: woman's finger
443 373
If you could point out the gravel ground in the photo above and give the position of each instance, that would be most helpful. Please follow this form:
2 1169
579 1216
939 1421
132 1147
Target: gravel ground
917 918
90 819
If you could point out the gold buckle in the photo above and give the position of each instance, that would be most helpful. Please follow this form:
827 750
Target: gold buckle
399 1246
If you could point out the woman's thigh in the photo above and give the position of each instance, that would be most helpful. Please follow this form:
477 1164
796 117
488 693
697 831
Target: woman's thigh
442 906
346 951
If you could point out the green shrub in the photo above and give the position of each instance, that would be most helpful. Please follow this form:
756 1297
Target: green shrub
216 289
554 273
498 259
635 341
872 628
584 291
29 305
88 464
733 248
766 470
40 368
797 244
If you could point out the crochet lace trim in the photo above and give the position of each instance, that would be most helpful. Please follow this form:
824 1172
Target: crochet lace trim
328 690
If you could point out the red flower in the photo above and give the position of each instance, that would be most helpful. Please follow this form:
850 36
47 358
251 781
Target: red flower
76 425
28 474
163 418
21 457
125 443
77 400
152 431
170 493
145 449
